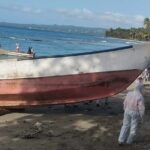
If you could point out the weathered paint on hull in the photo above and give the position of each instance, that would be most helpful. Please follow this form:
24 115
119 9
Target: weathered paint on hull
64 89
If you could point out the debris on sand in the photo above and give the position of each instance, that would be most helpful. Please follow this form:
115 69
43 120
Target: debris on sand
32 132
31 135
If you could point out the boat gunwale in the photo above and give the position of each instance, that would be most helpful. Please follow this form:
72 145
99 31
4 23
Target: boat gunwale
78 54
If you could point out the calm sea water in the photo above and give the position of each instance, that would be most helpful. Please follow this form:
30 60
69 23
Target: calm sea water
46 43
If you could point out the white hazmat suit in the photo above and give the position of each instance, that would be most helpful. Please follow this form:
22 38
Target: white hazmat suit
134 109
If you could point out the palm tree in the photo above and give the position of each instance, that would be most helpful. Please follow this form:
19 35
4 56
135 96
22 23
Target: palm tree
147 23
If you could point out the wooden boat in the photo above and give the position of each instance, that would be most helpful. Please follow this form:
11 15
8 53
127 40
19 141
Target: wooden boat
70 78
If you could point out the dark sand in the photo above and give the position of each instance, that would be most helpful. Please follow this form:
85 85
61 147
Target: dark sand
79 127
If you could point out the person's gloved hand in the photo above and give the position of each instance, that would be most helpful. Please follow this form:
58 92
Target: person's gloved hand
141 120
141 116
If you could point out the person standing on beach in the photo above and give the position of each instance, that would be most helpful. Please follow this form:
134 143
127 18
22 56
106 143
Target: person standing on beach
134 109
17 47
29 51
146 75
33 52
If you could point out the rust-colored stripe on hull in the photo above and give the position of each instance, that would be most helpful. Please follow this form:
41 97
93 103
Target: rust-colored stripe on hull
64 89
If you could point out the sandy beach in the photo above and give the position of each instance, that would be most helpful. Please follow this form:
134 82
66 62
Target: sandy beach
77 127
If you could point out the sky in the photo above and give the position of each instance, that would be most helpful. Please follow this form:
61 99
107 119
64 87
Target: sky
88 13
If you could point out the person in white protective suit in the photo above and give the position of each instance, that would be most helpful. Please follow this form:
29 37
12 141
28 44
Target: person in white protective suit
134 109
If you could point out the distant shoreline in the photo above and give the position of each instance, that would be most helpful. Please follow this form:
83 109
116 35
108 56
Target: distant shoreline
57 28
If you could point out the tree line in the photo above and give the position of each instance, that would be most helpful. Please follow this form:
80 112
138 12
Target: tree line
142 34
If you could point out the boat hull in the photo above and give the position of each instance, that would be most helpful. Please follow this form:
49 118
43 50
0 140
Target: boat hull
70 78
64 89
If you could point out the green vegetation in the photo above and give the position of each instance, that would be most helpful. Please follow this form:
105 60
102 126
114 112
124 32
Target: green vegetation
133 33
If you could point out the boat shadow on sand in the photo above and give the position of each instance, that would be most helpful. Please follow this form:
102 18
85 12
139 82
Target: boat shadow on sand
85 126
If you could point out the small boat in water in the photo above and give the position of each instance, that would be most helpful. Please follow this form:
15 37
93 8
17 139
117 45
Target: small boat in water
73 78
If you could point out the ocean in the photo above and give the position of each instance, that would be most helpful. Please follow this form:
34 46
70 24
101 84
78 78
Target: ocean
48 43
